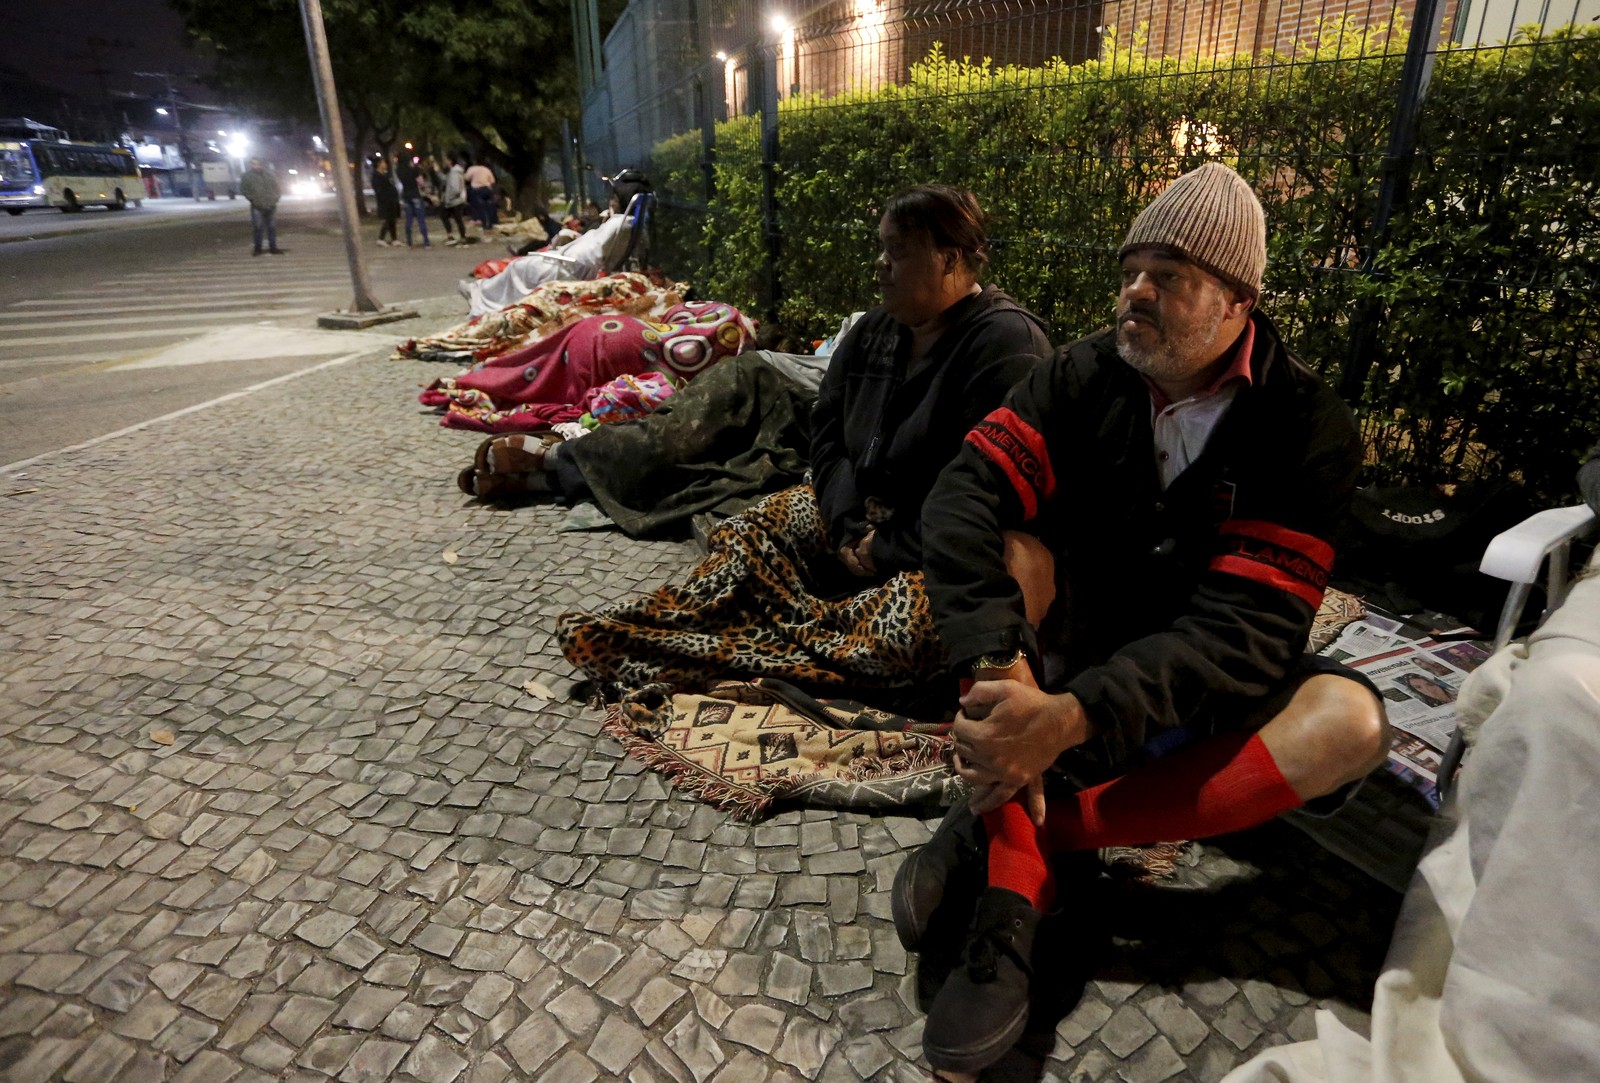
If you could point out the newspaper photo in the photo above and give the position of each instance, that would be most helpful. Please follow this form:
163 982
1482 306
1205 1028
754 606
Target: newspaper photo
1419 680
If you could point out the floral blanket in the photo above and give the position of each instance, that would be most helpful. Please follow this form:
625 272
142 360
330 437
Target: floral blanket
539 385
542 313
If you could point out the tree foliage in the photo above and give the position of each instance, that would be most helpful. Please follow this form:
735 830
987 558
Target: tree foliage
1486 284
499 75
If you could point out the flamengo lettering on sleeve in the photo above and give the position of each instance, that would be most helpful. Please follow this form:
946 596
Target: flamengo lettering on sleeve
1277 557
1018 449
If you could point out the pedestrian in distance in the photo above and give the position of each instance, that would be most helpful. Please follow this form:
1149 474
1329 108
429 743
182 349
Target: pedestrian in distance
411 199
387 197
481 196
261 189
453 203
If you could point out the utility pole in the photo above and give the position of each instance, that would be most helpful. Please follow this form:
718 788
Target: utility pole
343 182
177 120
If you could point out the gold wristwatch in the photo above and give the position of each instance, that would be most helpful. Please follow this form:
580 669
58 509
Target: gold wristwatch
1000 660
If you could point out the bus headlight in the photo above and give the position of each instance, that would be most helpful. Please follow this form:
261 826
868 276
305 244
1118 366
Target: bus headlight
38 189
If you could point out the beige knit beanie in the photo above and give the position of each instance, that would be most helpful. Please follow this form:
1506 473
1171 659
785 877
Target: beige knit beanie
1210 217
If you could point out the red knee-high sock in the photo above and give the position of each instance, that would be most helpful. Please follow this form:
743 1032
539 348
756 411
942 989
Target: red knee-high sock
1016 854
1219 785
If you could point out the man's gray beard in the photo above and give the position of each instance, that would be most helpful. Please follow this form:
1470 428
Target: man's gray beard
1175 357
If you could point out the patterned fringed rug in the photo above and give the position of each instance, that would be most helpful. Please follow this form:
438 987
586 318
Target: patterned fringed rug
749 746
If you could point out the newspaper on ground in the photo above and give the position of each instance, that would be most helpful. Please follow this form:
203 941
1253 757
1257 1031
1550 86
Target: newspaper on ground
1419 675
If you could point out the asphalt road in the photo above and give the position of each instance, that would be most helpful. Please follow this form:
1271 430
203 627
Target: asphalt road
109 319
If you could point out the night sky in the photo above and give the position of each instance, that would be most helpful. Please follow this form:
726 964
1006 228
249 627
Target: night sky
51 41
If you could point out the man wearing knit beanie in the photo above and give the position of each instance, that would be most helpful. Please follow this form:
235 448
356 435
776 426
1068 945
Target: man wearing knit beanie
1180 476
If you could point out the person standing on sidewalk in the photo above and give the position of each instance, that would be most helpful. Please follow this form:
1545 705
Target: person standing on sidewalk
387 198
453 203
481 193
261 189
411 199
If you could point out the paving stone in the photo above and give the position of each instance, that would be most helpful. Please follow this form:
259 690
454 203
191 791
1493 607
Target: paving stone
184 1037
325 929
1126 1030
593 962
102 1060
323 979
329 1055
488 993
571 1067
207 1066
806 1045
438 940
710 1007
433 1061
867 1056
617 1044
837 979
373 1062
695 1047
1172 1017
368 1008
393 969
1238 1024
407 1022
754 1025
577 1009
301 1016
534 1042
216 996
788 980
657 996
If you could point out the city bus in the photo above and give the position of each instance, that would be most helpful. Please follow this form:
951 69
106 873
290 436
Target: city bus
72 176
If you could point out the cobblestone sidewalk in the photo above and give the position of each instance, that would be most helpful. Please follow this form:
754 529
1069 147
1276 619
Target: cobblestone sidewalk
275 805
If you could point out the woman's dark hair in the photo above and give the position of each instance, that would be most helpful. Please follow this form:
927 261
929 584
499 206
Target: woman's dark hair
950 216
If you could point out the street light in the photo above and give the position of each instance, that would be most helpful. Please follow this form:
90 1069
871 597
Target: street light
161 110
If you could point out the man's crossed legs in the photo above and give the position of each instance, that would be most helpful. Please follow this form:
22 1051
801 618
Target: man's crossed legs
1321 732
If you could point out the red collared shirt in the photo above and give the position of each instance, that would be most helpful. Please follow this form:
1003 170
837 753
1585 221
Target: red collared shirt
1183 427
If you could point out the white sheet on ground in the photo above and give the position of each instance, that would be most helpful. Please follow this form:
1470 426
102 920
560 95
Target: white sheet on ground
1492 973
599 249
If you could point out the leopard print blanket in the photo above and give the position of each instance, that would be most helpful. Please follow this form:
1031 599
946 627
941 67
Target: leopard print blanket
770 599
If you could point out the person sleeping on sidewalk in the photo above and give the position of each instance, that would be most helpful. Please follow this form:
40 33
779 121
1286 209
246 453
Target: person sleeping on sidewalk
821 583
1125 558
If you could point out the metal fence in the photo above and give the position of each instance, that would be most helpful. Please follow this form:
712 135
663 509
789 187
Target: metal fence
841 100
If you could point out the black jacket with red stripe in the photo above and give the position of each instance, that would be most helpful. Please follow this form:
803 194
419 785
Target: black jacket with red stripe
882 431
1169 603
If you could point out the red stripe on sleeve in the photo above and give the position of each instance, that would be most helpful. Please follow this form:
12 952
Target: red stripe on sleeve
1308 546
1030 503
1247 568
1007 419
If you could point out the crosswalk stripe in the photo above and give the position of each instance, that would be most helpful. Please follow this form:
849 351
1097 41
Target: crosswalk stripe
156 318
117 294
157 280
244 303
153 332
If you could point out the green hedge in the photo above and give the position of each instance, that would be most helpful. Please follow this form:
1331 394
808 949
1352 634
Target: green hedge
1486 361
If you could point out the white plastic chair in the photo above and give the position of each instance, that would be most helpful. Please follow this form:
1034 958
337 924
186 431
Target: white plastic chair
1541 542
1518 555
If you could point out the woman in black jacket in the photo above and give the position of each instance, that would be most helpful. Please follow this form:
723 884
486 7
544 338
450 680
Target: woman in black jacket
821 583
387 198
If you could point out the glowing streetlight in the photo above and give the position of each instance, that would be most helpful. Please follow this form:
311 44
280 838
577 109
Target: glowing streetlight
779 24
722 56
161 111
238 147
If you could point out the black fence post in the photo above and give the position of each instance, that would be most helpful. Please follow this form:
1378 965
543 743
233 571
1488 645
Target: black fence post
569 175
768 55
704 103
1392 188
